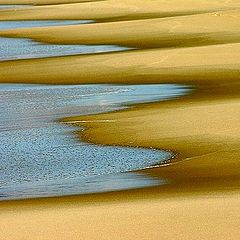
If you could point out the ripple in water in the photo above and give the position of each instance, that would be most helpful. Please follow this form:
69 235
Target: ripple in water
40 157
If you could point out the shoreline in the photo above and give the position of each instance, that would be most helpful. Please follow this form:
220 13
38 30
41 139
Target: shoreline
113 10
200 66
162 33
91 168
202 128
95 125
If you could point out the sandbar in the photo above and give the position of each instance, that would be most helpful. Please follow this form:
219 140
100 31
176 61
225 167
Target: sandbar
212 28
114 10
202 128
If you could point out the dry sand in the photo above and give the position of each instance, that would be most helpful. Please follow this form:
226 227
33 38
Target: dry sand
114 10
212 28
214 64
202 129
44 2
199 217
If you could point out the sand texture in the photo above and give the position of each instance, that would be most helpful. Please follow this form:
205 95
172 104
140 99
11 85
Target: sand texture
165 218
196 43
115 10
212 28
197 65
43 2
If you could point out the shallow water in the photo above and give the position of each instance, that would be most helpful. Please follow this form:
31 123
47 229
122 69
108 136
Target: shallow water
20 48
39 23
8 6
15 48
41 157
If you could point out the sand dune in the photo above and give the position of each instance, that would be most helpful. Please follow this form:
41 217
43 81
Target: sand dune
114 10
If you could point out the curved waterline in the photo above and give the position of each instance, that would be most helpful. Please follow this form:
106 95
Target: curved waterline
40 157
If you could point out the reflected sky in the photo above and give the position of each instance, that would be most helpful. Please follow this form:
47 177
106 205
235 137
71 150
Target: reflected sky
8 6
15 48
41 157
39 23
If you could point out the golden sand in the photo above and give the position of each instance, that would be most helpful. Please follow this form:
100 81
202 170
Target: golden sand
44 2
114 10
202 128
212 28
212 217
213 64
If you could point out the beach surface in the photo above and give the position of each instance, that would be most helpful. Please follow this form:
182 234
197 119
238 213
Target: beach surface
212 28
43 2
198 217
200 50
113 10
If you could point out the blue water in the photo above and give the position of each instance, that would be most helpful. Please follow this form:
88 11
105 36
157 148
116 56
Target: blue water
8 6
41 157
19 48
15 48
39 23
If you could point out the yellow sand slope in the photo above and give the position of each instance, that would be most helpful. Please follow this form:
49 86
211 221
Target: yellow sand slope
201 200
112 10
152 219
44 2
197 65
212 28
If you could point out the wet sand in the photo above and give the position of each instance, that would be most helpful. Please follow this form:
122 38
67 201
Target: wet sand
202 129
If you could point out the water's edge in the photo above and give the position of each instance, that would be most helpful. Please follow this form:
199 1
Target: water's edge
96 99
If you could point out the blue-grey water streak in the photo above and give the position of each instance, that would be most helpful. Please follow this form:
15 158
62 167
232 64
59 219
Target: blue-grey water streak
12 6
21 48
16 48
39 23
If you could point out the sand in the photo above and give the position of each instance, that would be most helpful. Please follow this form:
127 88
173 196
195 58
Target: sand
115 10
44 2
212 28
214 64
196 217
201 200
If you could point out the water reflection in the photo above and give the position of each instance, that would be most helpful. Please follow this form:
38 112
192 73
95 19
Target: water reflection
40 157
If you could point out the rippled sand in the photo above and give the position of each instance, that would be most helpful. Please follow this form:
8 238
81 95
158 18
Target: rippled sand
196 43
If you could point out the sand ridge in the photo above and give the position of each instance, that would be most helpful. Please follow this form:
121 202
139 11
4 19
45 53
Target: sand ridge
43 2
197 65
212 28
202 128
115 10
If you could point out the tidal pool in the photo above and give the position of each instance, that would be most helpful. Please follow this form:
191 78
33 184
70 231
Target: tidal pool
41 157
